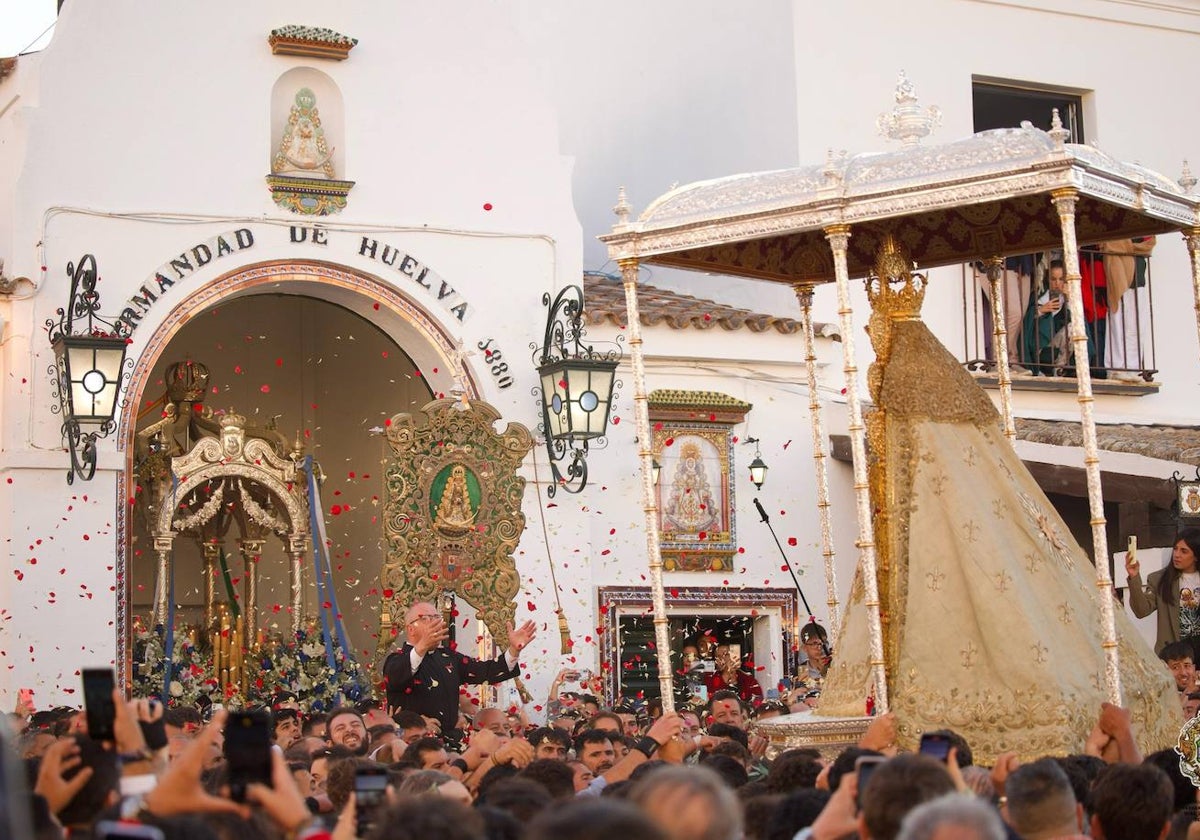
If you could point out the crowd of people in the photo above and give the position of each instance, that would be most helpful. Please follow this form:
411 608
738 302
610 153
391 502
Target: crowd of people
589 772
428 763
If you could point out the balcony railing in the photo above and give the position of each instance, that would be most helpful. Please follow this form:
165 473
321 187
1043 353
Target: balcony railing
1118 314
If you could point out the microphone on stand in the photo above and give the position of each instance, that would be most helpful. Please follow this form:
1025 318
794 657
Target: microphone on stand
767 521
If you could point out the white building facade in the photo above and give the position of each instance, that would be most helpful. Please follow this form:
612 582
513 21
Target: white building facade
485 144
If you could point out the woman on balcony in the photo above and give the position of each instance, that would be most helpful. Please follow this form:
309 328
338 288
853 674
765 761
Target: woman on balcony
1044 331
1046 342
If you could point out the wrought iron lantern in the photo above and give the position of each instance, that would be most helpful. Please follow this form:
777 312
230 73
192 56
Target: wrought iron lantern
655 471
1187 498
89 354
576 390
758 467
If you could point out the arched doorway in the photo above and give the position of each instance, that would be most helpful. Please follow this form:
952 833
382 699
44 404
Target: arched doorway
323 356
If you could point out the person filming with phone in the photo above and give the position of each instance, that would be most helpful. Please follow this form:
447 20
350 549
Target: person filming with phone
1044 333
425 677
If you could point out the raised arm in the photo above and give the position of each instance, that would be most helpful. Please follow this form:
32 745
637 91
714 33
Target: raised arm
1143 600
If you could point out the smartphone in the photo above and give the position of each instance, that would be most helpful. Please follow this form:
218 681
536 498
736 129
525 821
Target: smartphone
128 831
370 794
864 766
935 746
247 751
98 685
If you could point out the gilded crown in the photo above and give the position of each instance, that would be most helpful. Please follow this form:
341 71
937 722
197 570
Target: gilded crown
894 288
231 419
187 381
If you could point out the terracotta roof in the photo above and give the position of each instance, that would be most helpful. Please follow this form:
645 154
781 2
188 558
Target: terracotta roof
604 298
688 399
1180 444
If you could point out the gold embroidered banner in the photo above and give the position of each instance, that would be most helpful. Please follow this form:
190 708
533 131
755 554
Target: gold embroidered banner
452 516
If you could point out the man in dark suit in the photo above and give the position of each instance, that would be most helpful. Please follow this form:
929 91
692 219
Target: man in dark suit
425 677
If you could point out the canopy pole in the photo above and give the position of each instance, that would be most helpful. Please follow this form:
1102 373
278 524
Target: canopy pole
641 410
210 549
995 275
839 240
296 553
1192 237
162 547
1064 201
251 548
804 294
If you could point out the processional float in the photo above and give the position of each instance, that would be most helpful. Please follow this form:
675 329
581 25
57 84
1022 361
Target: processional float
204 475
452 515
876 216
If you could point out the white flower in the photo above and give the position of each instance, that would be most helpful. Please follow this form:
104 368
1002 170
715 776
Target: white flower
176 688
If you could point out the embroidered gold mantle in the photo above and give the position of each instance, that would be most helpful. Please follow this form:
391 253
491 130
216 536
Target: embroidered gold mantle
990 621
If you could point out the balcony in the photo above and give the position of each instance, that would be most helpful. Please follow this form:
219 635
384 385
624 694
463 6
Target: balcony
1118 311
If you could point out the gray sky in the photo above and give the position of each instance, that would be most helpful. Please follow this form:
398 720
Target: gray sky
21 21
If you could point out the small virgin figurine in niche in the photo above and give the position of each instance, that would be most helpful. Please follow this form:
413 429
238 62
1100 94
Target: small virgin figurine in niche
303 149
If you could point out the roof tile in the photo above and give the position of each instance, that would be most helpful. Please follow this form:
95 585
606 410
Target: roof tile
605 301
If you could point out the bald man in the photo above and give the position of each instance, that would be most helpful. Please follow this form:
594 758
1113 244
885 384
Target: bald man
425 677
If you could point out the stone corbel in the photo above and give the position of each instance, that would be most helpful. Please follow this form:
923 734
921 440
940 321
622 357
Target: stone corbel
309 196
15 286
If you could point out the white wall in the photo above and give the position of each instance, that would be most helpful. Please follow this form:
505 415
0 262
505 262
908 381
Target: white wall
1124 63
145 143
161 113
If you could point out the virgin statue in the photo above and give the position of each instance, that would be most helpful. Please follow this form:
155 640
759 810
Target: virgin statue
991 626
303 148
454 511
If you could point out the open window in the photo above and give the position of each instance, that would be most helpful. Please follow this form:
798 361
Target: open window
760 625
1006 104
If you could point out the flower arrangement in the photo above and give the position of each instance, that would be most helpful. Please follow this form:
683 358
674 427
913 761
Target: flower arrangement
300 667
297 666
191 669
